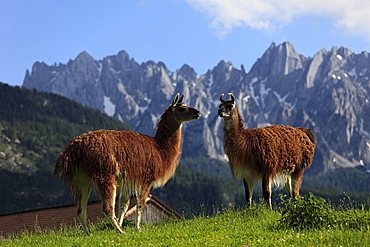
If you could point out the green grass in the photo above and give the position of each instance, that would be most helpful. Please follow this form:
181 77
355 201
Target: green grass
257 226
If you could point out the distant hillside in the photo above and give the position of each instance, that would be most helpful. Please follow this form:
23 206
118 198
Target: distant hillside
34 128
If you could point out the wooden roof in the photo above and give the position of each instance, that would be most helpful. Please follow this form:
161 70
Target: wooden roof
56 217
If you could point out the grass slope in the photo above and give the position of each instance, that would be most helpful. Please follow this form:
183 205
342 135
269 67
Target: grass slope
257 226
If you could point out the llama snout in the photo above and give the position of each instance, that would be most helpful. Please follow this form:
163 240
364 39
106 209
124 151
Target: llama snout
196 113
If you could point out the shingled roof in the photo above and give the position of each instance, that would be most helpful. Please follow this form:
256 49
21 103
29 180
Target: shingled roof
56 217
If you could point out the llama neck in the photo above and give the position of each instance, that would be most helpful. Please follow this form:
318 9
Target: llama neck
234 124
168 139
235 140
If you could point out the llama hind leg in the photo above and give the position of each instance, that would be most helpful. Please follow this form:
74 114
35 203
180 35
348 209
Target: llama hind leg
288 185
140 204
266 189
248 189
296 182
121 197
125 199
107 189
82 199
82 194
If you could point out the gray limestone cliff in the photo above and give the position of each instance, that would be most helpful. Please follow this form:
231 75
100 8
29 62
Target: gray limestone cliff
328 93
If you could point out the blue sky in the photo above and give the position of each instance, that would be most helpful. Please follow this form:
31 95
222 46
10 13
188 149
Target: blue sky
199 33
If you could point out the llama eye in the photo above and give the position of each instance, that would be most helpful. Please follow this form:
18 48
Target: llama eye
181 109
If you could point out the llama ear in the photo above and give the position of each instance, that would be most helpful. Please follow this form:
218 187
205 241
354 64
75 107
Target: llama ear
232 97
222 98
175 100
180 100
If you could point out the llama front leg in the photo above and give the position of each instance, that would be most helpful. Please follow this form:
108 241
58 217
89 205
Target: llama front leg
139 209
248 189
266 189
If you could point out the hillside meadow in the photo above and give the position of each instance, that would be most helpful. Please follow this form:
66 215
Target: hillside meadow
308 221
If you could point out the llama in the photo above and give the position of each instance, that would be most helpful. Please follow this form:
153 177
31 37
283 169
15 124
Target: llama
123 163
278 154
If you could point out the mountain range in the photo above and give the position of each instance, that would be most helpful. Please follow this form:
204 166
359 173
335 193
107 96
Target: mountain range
329 93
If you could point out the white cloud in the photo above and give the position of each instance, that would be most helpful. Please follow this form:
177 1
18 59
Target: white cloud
224 15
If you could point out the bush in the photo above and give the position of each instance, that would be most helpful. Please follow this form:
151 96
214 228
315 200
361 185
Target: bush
306 212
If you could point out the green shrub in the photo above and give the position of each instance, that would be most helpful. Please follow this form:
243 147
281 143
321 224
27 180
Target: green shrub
306 212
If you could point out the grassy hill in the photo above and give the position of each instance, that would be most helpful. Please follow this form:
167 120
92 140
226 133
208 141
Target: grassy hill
317 224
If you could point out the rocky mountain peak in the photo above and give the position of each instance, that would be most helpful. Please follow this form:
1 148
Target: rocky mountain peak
123 56
284 49
341 51
187 72
224 66
84 56
279 60
40 72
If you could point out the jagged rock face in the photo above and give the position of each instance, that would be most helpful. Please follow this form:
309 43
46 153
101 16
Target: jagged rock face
328 93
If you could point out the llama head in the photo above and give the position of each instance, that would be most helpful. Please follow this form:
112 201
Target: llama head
181 111
226 107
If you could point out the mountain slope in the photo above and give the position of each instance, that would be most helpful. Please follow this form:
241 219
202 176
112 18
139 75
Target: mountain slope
329 93
34 128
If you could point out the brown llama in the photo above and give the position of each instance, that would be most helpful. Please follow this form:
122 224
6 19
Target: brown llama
278 154
124 163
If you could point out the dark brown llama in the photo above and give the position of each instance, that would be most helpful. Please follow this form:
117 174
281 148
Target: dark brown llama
278 154
124 163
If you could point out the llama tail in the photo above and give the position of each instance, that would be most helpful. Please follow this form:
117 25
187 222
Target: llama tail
64 165
309 155
309 133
